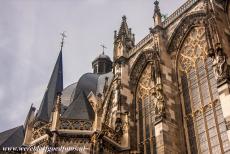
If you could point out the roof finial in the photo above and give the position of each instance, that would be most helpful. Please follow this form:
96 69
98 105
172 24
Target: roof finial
157 14
63 38
124 18
156 2
103 48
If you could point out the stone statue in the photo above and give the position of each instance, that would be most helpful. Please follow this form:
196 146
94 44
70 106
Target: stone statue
159 105
119 126
220 66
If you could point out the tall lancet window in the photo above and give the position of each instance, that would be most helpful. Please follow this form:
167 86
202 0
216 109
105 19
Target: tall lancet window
145 112
206 130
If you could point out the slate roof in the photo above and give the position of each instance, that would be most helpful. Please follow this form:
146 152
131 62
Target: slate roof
102 56
55 86
13 137
75 104
68 94
80 107
101 81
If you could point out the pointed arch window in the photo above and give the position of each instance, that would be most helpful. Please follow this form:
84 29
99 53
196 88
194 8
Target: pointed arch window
146 123
202 108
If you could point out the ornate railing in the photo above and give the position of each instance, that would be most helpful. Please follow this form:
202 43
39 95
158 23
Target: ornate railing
40 131
75 124
178 12
110 133
140 44
165 23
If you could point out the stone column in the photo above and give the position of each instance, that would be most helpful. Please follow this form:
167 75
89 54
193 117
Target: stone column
56 119
222 74
224 95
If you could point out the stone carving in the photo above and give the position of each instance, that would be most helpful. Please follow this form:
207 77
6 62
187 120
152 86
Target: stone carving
108 111
156 75
159 103
194 48
119 126
227 122
111 133
150 86
220 66
139 65
40 131
196 19
75 124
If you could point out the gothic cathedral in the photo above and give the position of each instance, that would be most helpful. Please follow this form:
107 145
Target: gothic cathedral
167 94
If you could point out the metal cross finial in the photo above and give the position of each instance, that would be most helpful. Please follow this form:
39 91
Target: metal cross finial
63 37
156 2
103 48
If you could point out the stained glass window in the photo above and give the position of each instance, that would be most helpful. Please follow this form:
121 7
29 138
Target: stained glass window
145 111
206 128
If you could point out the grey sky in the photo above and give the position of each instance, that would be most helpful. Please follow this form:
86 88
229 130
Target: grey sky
30 41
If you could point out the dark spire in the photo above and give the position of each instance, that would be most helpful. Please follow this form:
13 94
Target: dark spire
54 87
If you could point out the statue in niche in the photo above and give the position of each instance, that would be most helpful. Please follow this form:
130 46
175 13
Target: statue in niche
220 66
156 73
119 126
159 103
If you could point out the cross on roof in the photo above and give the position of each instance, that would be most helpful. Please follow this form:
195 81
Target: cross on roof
103 48
62 40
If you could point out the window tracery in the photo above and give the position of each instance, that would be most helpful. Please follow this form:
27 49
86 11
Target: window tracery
194 48
145 110
200 95
150 104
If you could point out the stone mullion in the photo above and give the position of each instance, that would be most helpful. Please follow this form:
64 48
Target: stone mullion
138 125
151 135
203 112
194 118
213 109
144 131
187 116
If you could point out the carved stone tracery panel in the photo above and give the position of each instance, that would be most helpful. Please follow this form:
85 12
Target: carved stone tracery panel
192 20
193 49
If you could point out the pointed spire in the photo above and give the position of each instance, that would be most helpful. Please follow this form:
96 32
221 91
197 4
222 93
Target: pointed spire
54 87
157 14
124 30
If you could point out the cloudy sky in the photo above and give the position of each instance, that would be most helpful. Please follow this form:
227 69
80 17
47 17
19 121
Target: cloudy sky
30 42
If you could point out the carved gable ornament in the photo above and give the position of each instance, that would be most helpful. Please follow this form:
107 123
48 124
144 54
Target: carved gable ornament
186 24
141 62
